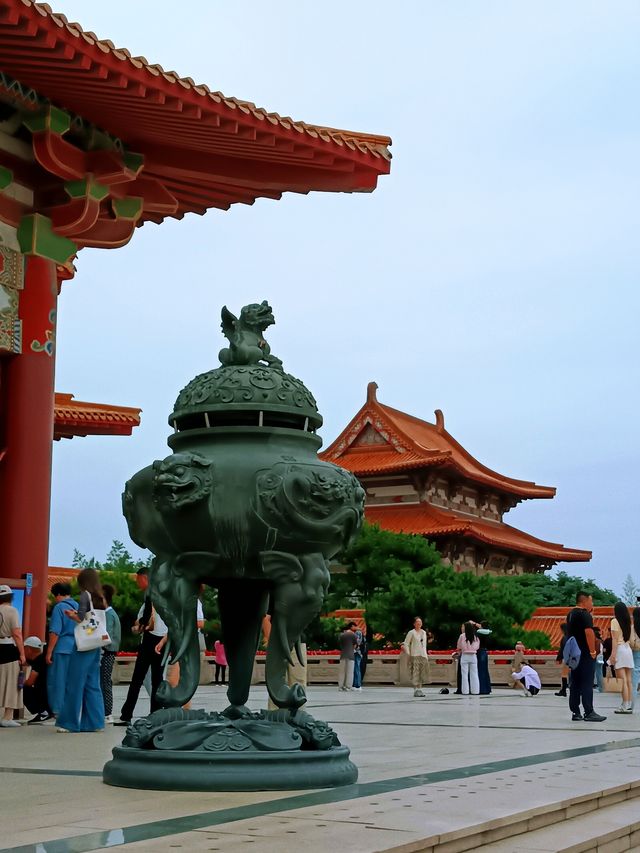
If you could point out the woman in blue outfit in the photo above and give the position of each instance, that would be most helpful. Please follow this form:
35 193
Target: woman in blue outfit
83 709
61 644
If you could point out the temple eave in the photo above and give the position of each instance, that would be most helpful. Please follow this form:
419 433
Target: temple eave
78 419
438 524
131 143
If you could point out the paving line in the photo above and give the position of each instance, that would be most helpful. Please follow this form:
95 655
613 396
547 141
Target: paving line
174 826
50 772
428 725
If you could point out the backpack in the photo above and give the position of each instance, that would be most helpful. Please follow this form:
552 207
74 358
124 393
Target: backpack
571 653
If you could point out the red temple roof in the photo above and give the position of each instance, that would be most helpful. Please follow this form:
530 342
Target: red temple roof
77 418
201 149
433 522
409 442
549 620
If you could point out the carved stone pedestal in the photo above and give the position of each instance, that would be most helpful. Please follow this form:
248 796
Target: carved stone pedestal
175 750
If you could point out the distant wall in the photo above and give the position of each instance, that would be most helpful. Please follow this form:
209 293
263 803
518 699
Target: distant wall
383 668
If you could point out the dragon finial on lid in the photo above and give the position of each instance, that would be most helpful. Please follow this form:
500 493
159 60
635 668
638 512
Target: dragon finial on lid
245 336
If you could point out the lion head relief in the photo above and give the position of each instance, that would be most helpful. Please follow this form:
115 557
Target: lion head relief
180 480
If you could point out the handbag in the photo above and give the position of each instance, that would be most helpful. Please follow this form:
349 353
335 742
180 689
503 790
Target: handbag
612 685
92 632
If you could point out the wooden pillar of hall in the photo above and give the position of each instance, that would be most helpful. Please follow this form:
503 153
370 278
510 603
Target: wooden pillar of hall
28 414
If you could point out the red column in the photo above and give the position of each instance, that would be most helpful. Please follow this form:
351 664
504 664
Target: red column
25 469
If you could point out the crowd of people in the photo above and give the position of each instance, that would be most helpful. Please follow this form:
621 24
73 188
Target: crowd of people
55 680
618 653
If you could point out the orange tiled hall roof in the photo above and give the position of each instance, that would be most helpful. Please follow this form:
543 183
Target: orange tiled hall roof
434 522
549 620
57 574
200 148
408 442
77 418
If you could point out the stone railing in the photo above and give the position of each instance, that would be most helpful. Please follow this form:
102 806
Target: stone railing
384 667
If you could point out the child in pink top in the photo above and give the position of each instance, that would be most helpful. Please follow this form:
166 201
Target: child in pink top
221 662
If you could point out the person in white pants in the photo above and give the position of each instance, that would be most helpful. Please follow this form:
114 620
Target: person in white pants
468 645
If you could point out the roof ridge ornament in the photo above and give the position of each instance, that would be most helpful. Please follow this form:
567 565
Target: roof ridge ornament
245 336
372 387
439 420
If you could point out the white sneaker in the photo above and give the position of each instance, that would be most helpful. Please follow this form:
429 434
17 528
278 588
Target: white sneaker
527 694
109 719
9 724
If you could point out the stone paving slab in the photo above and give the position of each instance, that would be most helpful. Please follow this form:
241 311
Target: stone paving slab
395 741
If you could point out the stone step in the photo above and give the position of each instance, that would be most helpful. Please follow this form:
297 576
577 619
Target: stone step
606 821
611 829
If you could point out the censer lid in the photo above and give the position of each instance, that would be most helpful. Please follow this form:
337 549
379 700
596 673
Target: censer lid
250 388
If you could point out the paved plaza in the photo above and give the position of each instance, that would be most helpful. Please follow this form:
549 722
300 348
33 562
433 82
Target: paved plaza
446 773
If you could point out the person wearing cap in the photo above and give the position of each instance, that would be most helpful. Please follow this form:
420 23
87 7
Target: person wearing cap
11 659
62 643
35 685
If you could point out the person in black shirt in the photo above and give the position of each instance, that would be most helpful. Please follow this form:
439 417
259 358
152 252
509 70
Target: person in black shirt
580 626
35 686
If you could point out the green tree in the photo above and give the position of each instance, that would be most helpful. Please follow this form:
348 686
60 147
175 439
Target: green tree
323 632
372 560
560 591
630 591
80 561
445 599
118 559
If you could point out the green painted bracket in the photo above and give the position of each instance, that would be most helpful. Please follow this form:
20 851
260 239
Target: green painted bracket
86 187
52 118
6 177
133 161
37 237
127 208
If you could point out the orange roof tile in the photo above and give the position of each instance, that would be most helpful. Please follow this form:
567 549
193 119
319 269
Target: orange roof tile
77 418
427 520
206 148
549 620
57 574
419 439
380 460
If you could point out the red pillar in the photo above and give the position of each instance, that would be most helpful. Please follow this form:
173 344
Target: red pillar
25 469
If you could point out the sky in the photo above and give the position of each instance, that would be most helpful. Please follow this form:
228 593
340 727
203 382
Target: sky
493 274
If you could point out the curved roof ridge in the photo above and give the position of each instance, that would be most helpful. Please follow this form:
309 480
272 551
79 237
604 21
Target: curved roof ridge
367 143
440 430
366 414
428 520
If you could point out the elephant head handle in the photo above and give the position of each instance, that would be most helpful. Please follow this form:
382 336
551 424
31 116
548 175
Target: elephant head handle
300 585
174 594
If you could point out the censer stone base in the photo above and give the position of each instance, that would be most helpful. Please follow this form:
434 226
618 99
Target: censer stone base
237 750
241 771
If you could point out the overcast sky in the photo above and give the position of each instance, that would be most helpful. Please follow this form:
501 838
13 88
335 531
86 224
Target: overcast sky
493 274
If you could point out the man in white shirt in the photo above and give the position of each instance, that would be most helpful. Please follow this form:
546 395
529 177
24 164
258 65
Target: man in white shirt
415 645
528 679
152 630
